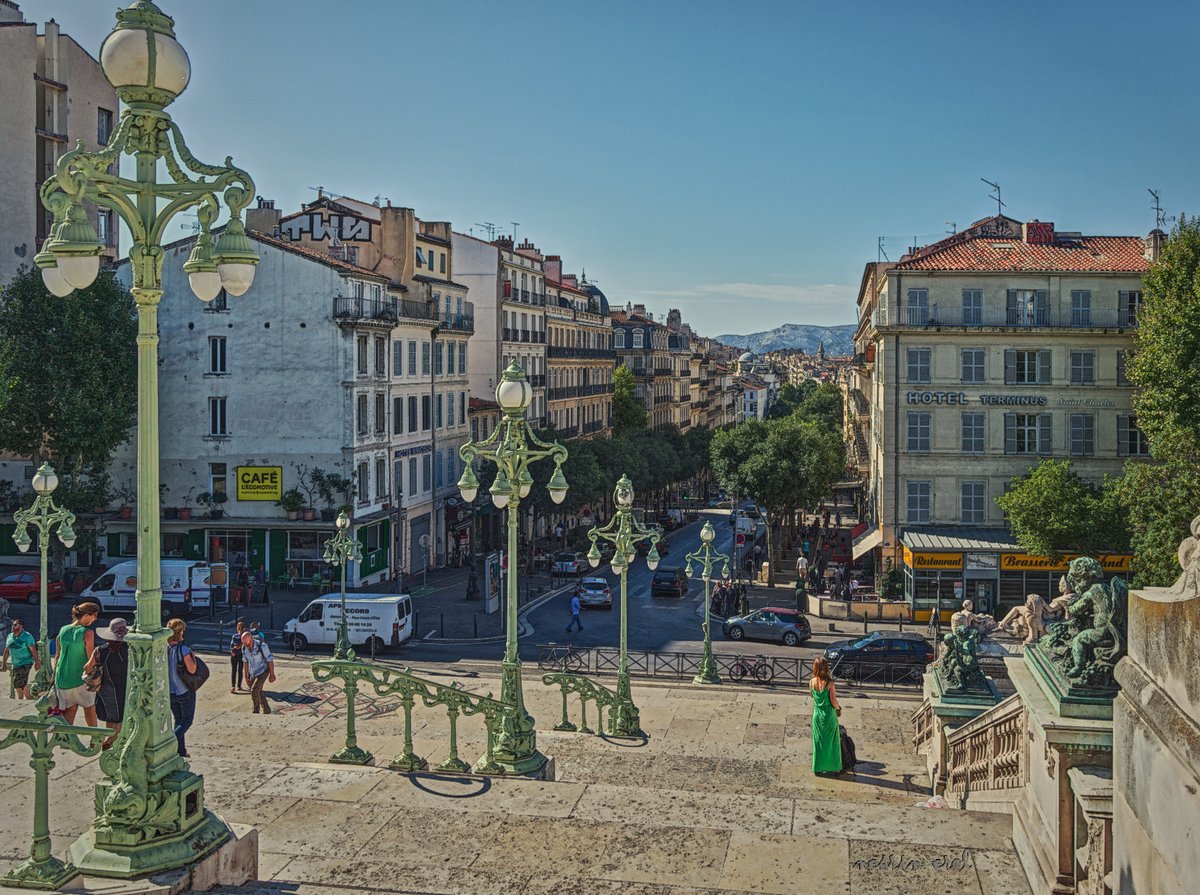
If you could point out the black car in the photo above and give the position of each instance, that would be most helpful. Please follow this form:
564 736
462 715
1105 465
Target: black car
669 583
882 656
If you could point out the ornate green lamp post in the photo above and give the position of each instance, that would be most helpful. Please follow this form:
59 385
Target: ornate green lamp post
44 516
708 558
513 447
623 532
341 550
150 812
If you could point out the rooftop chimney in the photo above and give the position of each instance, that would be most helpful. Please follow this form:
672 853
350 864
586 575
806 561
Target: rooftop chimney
552 265
264 218
1154 242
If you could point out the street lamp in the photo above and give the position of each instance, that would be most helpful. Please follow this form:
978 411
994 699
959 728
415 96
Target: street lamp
707 557
341 550
44 516
513 447
623 531
150 813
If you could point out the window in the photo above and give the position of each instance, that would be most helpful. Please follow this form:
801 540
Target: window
216 354
1122 375
412 413
1128 306
918 430
919 364
361 410
450 409
1130 441
217 423
424 358
363 485
441 262
104 125
381 489
972 365
426 413
217 477
439 479
639 339
412 476
397 358
425 472
1027 433
450 346
421 257
462 407
380 356
104 227
974 433
1028 307
398 478
1081 307
437 412
462 359
972 307
1083 368
1027 367
397 416
972 496
619 339
1083 434
412 357
380 414
919 502
437 358
362 355
918 307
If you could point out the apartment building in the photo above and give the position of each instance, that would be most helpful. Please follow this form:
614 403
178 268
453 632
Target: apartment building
54 94
579 355
978 356
643 345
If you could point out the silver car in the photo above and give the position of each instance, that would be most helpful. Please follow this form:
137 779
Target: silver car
594 592
776 624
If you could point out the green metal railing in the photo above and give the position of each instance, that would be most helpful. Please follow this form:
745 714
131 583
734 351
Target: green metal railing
409 688
588 691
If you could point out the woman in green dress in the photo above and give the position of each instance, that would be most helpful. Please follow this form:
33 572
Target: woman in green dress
826 739
75 649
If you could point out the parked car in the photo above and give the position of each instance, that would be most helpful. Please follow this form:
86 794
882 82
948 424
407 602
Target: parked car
887 654
643 546
773 623
594 592
669 582
569 563
25 587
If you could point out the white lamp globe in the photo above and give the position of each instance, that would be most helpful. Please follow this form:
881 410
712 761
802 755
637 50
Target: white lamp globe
236 276
45 480
54 280
79 271
206 284
128 64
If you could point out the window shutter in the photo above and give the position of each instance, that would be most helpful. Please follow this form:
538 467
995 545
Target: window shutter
1042 307
1043 374
1122 307
1010 365
1010 433
1123 435
1011 305
1045 433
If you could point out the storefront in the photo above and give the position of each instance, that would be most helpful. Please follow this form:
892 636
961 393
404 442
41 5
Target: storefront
459 520
943 568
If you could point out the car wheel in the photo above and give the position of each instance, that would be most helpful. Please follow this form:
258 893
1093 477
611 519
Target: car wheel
32 598
608 605
374 642
736 633
790 639
167 611
299 642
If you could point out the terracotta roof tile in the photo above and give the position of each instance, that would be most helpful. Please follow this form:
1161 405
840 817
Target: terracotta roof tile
320 257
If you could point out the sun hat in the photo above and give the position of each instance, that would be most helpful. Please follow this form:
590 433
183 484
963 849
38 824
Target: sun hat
116 630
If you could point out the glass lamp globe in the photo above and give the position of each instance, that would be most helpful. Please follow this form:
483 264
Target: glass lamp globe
23 541
513 393
79 271
45 480
707 534
141 57
343 521
54 280
66 534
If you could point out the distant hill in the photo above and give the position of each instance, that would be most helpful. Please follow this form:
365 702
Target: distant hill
837 339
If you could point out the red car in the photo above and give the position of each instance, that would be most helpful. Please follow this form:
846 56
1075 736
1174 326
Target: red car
25 587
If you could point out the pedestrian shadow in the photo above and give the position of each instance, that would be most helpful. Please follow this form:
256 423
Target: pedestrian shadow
480 785
635 742
872 774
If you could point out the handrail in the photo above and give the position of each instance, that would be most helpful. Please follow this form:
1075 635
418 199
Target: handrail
587 691
922 722
989 752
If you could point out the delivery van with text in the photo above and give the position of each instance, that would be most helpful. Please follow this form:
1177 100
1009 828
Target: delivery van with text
377 620
186 585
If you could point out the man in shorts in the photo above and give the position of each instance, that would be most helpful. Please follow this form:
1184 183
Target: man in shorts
21 646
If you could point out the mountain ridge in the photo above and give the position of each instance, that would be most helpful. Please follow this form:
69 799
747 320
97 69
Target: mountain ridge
839 340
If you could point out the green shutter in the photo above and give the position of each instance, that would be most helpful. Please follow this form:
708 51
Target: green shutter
195 544
114 545
277 558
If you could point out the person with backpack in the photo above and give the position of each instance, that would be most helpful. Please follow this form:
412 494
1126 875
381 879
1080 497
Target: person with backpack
183 697
826 737
260 668
235 658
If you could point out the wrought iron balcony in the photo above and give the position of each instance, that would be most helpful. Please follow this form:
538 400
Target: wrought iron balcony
1003 318
593 426
380 311
459 323
537 380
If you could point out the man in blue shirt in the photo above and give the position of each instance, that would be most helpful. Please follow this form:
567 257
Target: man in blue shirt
260 668
574 614
22 647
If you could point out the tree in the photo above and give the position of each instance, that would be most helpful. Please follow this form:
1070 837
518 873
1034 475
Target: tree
1162 499
1053 511
68 374
628 412
824 405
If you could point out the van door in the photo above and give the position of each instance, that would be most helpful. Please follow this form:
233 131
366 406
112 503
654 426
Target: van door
200 584
102 591
404 622
311 623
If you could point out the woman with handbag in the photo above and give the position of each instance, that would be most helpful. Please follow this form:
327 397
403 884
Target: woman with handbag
183 697
113 662
75 645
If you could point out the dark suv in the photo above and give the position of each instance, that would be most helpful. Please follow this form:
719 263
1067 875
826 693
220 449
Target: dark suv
883 656
669 583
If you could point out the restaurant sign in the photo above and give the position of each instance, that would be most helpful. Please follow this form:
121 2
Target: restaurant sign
1022 562
932 561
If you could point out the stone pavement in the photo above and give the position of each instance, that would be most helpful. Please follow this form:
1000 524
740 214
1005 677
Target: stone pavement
719 799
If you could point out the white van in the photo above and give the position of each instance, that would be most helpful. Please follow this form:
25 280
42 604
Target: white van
185 585
385 618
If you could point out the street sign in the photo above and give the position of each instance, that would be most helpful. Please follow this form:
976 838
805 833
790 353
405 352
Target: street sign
741 539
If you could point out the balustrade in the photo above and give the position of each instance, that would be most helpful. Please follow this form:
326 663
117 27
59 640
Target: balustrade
587 691
989 751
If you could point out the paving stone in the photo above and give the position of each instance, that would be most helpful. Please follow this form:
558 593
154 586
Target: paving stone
688 857
325 783
323 829
906 869
785 864
671 808
475 794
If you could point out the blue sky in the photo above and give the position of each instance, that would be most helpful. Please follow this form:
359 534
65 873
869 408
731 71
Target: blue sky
735 160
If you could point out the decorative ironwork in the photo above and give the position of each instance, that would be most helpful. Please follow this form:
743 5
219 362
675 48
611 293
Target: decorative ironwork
341 550
588 691
708 558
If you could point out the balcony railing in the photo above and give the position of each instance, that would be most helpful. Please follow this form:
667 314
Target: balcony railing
1004 318
593 426
567 431
604 388
380 311
459 323
661 399
558 394
537 380
569 352
663 371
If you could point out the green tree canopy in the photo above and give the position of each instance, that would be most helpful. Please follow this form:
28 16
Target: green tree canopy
628 413
823 404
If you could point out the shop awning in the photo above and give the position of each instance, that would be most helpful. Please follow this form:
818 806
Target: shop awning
869 542
960 540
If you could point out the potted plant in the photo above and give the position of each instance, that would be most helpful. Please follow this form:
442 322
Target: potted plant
185 509
292 502
324 484
126 495
307 483
215 503
343 486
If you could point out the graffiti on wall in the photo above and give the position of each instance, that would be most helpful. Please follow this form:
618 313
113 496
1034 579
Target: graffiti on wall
344 227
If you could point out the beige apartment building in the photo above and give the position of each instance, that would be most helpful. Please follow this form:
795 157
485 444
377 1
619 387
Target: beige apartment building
54 93
976 357
579 355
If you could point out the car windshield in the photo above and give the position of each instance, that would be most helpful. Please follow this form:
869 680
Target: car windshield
665 575
870 638
565 557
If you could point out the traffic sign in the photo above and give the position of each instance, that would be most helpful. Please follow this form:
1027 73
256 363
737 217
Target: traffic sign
741 539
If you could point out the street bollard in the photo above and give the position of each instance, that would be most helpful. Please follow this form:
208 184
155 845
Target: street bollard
442 624
374 640
475 621
416 623
864 621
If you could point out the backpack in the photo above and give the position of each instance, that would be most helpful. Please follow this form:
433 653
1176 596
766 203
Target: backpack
193 681
849 758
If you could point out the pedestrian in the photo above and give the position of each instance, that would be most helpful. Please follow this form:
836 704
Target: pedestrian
113 662
260 668
21 646
826 738
743 602
242 583
801 569
235 658
76 643
574 614
292 574
183 698
260 584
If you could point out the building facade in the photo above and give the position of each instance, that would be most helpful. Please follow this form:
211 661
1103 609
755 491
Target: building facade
642 345
54 94
579 355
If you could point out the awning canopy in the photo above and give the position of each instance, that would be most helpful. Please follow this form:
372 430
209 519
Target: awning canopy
965 540
870 541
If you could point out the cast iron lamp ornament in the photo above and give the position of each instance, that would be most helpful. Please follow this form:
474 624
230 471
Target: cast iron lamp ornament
44 515
150 813
513 447
623 531
708 558
341 550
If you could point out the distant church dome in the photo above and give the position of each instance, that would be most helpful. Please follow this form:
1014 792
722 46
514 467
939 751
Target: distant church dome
595 293
746 358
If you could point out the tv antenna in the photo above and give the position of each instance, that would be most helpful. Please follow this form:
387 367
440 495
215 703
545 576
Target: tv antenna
323 193
1161 218
996 188
489 228
953 227
879 251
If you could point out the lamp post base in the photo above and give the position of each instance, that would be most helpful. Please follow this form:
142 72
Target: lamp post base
49 874
102 851
351 755
624 719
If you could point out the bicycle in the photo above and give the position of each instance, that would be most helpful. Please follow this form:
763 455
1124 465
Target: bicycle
760 669
562 657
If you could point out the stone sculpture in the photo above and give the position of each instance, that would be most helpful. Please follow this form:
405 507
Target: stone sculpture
1189 559
958 665
1027 622
969 618
1086 645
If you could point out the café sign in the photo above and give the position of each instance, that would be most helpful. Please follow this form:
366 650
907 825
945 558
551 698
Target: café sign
259 482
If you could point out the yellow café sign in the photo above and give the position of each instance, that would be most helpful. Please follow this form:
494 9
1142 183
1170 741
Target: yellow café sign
259 482
932 561
1021 562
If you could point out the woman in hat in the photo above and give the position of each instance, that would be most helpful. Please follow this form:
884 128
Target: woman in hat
113 661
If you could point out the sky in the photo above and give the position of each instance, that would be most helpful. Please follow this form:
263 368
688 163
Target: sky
739 161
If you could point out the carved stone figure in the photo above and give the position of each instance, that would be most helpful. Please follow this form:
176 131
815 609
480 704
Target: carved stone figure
1189 559
1027 622
1066 595
969 618
1088 642
958 666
